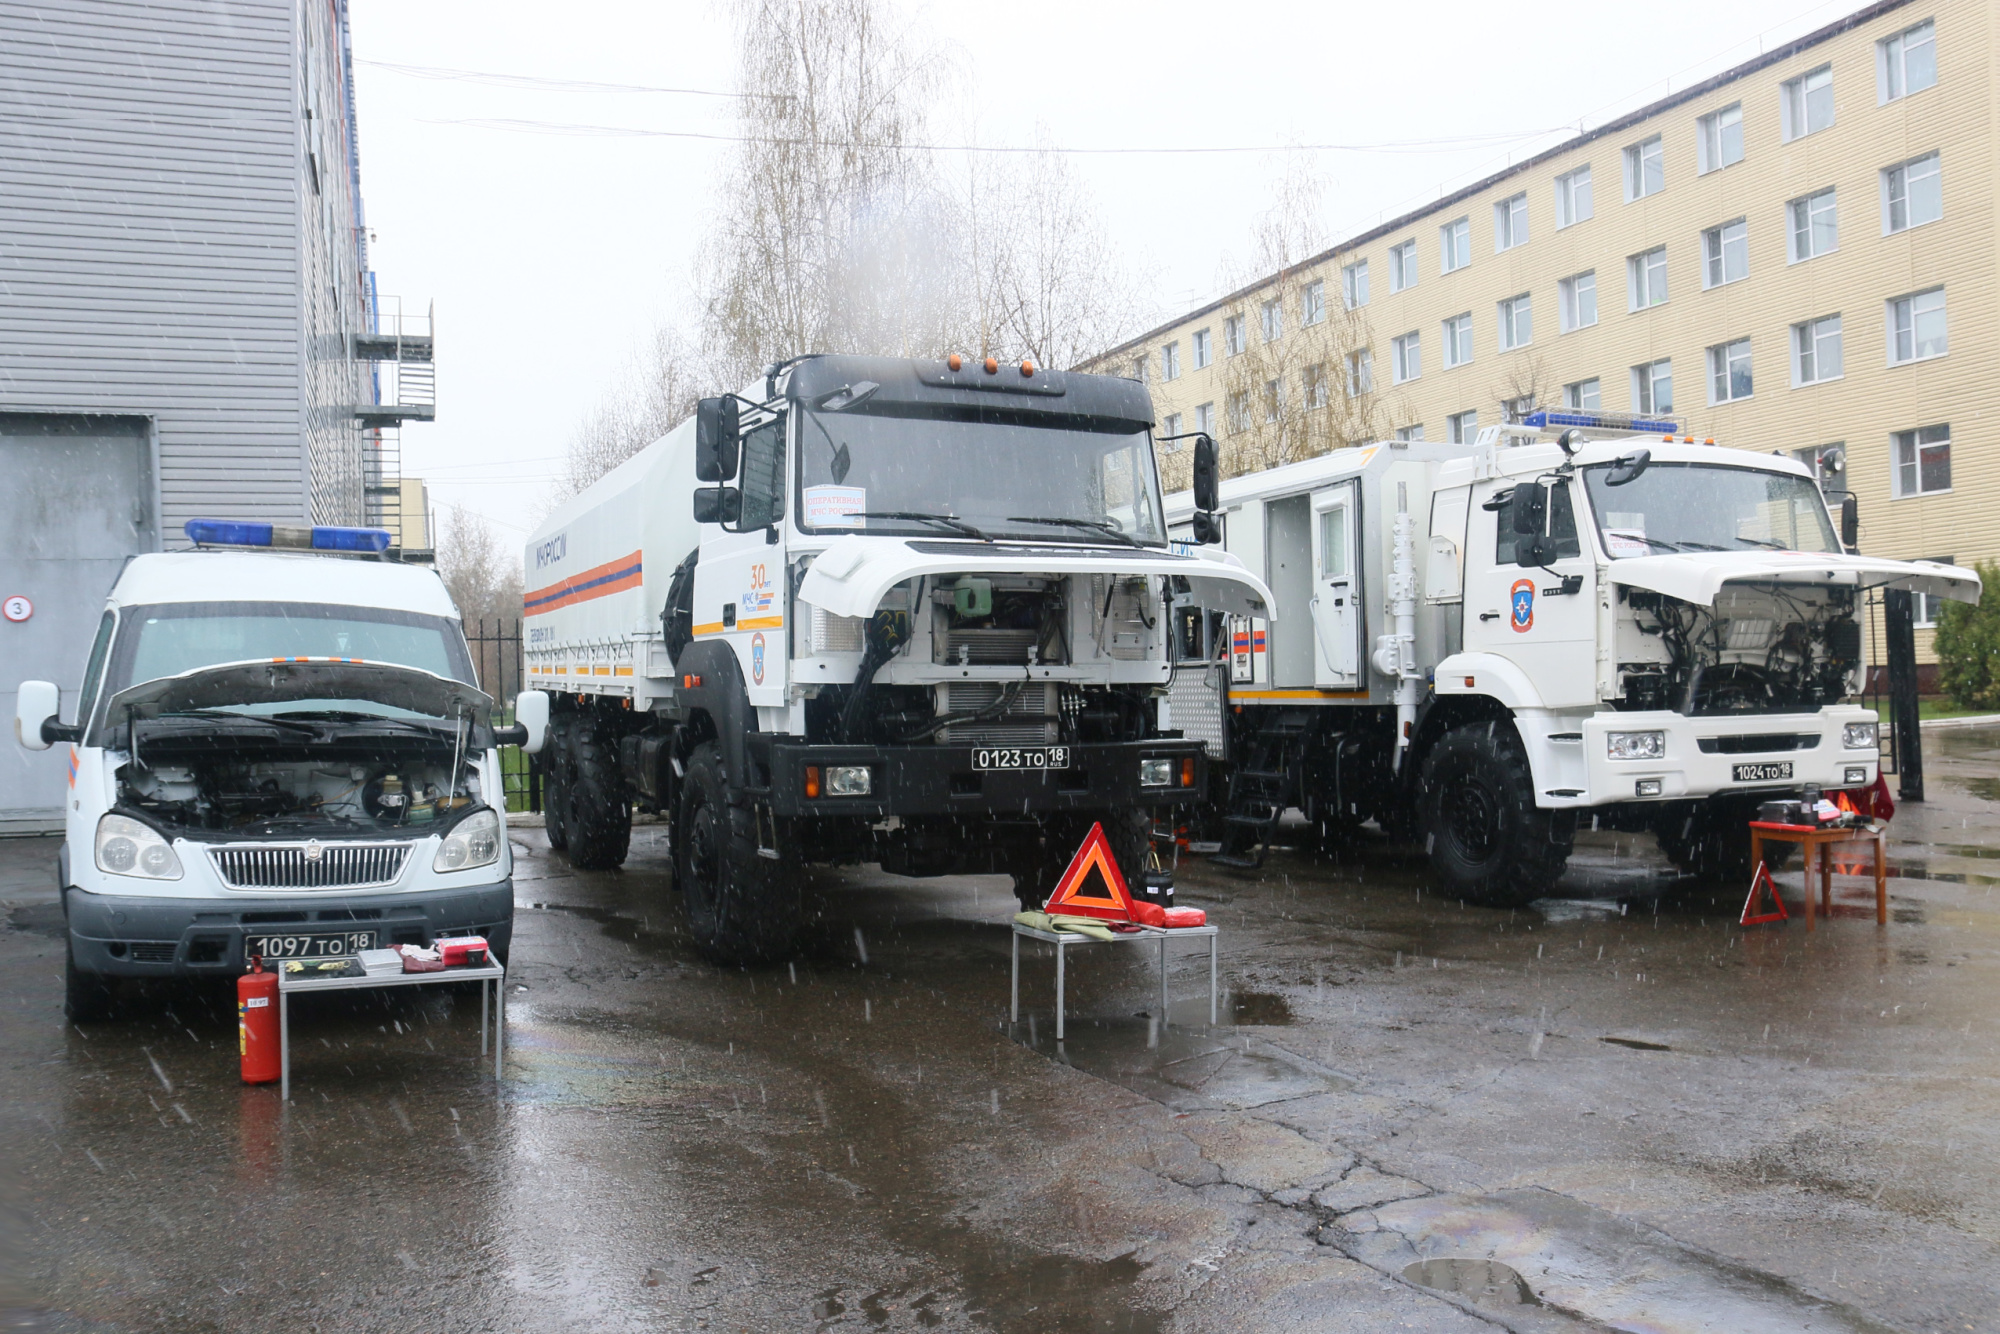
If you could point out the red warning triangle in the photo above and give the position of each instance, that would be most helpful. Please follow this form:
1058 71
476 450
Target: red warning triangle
1092 886
1762 880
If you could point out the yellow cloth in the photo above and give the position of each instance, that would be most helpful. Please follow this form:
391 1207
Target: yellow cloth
1077 926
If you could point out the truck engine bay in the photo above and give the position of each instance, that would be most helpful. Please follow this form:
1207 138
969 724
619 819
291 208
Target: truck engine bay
1761 648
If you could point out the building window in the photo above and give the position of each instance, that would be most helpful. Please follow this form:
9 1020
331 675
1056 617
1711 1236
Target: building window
1313 381
1583 396
1573 197
1415 432
1170 361
1907 62
1808 102
1204 418
1729 371
1719 138
1912 194
1515 410
1232 335
1458 340
1463 427
1272 319
1510 222
1815 228
1578 298
1408 354
1517 322
1653 386
1354 284
1239 411
1647 278
1274 400
1360 373
1402 266
1811 456
1725 253
1312 303
1916 327
1139 370
1204 349
1645 169
1816 350
1171 426
1455 245
1922 461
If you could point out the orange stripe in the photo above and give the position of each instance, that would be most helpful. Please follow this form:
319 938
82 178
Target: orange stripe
614 576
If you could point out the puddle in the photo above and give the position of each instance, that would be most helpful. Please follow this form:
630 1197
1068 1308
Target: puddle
1483 1282
1256 1007
1637 1044
1184 1068
1975 850
1987 789
1579 910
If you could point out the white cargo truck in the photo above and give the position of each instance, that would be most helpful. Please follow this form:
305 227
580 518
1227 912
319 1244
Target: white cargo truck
872 610
275 752
1582 616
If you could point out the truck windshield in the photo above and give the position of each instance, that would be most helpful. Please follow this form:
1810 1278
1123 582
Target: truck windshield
1681 507
992 475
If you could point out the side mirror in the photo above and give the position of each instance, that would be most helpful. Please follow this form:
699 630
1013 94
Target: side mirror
723 504
1627 467
1207 476
531 722
716 432
1207 528
38 716
1850 522
1529 511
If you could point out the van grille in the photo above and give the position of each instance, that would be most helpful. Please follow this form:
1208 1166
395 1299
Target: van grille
309 865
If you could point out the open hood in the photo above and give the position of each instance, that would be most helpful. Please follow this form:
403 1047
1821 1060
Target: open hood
1697 576
268 681
850 577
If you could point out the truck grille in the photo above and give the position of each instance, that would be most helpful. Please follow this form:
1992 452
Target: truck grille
309 865
1028 721
1757 743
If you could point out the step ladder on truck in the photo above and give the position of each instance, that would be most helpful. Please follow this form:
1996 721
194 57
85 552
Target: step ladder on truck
1580 617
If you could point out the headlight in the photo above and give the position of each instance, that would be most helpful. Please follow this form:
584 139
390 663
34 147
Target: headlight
1156 773
849 780
1858 736
1636 745
474 841
127 847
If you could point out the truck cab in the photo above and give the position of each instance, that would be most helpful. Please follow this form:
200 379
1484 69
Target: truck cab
275 753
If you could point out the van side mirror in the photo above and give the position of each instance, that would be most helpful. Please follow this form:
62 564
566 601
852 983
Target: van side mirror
38 716
531 722
723 504
1850 522
1207 475
716 432
1529 511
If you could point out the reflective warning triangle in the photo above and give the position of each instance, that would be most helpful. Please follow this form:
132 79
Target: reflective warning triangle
1762 880
1092 886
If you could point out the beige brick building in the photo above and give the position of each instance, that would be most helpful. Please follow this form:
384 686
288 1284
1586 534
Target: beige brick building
1797 253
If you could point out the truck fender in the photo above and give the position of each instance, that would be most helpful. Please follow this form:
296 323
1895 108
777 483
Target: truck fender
723 696
1487 674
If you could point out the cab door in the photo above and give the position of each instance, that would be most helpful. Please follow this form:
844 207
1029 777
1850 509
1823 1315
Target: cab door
1544 619
1336 601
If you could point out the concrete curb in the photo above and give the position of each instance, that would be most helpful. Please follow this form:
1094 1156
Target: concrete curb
1977 720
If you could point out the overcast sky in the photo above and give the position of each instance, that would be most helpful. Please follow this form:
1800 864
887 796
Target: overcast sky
550 253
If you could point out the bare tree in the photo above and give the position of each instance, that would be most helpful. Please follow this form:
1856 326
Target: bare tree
1524 389
483 578
658 394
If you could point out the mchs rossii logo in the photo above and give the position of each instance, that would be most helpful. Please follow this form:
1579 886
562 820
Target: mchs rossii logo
551 551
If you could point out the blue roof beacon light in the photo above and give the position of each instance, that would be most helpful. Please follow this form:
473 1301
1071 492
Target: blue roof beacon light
1546 420
285 537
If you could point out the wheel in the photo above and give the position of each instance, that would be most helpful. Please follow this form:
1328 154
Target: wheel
87 996
741 908
1711 839
597 818
555 788
1487 839
1130 834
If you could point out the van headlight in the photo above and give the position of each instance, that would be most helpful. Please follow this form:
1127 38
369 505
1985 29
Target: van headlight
1636 745
128 847
1858 736
473 841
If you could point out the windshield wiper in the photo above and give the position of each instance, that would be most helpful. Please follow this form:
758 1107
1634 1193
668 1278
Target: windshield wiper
1104 526
919 516
1764 542
1690 544
230 714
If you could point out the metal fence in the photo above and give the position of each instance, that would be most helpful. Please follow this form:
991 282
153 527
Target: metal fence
497 660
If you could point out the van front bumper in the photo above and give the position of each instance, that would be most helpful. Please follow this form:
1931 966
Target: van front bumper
1741 753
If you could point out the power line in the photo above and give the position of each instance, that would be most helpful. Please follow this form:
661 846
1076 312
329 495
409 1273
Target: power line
536 81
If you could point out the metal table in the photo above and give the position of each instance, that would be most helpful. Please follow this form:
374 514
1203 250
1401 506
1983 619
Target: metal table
1064 939
394 976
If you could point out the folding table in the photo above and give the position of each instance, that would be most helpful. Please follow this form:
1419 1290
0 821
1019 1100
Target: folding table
392 975
1062 940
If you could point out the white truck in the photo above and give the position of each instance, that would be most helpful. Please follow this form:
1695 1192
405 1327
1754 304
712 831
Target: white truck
275 753
871 610
1580 616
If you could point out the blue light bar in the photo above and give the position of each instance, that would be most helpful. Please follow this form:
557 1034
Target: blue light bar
1545 420
286 537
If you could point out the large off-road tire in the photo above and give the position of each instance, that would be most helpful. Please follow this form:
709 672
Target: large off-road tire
555 794
1130 834
741 908
1712 840
1488 841
597 818
87 997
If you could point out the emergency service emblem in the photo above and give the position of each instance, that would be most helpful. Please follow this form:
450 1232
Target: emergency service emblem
1522 597
757 657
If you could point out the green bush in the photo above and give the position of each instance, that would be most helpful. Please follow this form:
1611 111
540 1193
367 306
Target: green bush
1968 646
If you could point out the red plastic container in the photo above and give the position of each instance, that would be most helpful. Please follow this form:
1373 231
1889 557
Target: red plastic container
461 951
257 1024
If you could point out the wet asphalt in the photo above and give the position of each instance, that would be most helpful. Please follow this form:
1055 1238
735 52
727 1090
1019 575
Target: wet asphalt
1653 1117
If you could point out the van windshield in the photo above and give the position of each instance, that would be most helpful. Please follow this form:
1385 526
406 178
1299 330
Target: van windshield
1681 507
1003 476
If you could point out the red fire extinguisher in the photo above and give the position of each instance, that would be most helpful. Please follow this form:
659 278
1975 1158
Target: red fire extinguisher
257 1023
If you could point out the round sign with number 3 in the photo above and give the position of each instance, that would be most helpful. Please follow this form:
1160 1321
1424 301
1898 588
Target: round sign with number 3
17 608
